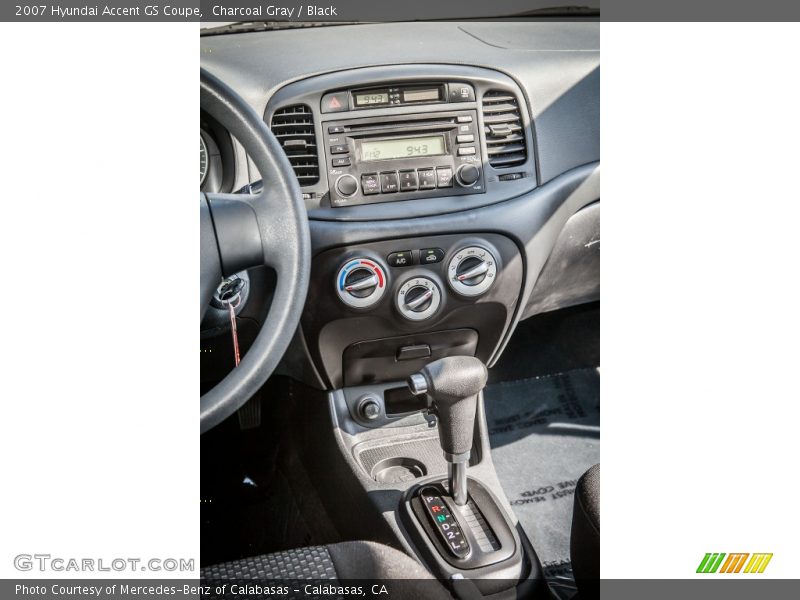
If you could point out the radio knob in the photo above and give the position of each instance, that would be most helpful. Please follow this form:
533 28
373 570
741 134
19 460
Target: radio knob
467 175
346 185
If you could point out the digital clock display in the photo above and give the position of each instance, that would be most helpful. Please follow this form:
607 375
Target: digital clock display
372 98
402 148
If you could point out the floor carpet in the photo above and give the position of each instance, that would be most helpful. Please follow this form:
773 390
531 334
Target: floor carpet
545 433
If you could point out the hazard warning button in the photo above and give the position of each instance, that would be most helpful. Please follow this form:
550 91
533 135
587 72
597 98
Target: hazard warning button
335 102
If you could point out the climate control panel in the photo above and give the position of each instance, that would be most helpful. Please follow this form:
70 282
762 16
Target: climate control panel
380 308
417 277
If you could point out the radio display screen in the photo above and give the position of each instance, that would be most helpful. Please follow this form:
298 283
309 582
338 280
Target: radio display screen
366 98
402 148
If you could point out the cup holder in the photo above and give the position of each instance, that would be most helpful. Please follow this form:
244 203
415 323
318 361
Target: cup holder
397 469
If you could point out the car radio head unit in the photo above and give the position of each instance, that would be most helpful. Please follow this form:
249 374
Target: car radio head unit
403 157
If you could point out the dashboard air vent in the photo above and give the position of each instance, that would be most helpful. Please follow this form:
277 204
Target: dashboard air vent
502 124
294 128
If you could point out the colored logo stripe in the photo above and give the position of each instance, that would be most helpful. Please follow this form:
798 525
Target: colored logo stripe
758 563
734 563
710 562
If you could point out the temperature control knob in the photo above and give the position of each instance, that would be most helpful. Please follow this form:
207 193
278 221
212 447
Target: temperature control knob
418 299
467 175
360 283
472 271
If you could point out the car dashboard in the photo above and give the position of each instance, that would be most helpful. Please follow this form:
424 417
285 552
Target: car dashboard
442 164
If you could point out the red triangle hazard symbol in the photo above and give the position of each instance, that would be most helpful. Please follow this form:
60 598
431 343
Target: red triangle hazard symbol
334 103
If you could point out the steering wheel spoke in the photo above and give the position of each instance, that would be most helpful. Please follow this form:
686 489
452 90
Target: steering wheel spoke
210 267
244 240
238 231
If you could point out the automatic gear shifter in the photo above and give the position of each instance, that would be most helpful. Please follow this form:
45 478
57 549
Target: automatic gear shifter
452 385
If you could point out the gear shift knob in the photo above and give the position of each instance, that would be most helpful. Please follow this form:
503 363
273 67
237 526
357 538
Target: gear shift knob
452 385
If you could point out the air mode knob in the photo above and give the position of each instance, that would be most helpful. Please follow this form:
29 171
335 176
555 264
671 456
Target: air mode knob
468 175
471 271
360 283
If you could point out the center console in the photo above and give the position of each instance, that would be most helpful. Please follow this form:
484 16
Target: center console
385 311
404 142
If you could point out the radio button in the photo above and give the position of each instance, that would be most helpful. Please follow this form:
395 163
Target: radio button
389 183
340 149
340 128
460 119
461 92
465 129
341 162
466 151
370 184
444 177
427 179
408 181
463 139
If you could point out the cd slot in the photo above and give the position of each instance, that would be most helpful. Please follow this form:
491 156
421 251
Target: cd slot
411 124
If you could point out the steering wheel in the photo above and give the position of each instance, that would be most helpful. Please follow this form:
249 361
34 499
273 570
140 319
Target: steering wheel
240 231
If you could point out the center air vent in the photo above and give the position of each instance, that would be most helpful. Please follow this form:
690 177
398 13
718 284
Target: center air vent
294 128
505 136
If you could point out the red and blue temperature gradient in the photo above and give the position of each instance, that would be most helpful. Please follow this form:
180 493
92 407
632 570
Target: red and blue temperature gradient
360 262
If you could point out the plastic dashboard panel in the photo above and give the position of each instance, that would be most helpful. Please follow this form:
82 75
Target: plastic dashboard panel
554 65
310 91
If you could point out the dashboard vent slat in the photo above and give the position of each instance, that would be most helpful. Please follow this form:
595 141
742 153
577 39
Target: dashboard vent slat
499 108
293 126
505 138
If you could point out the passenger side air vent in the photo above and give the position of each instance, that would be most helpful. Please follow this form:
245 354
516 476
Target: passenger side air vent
294 128
502 124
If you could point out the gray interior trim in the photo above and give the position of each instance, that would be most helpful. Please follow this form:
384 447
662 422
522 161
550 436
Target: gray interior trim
533 221
557 67
571 274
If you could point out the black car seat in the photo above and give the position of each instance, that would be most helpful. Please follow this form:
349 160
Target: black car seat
342 561
585 537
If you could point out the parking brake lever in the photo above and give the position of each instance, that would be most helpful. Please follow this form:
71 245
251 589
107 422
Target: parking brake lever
452 385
